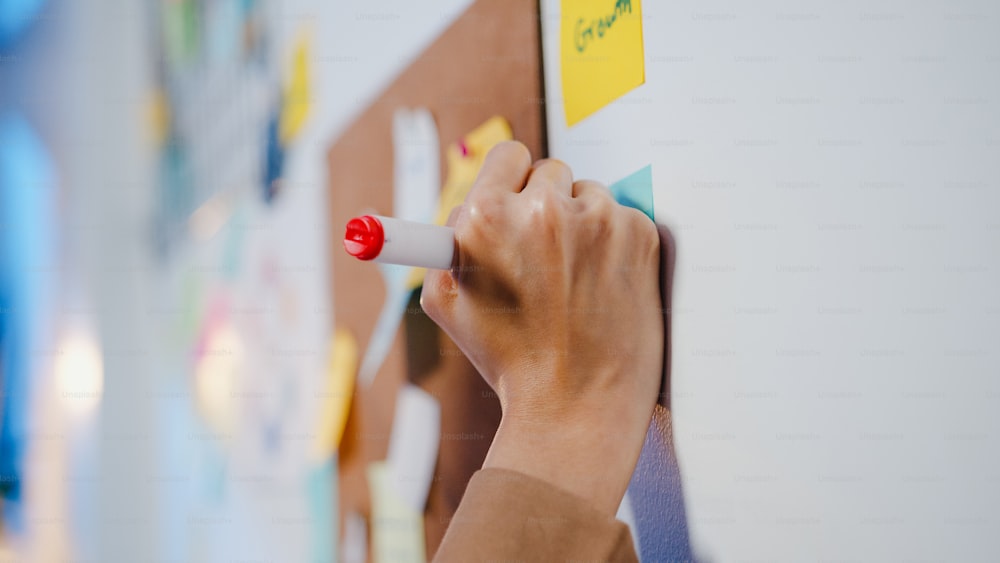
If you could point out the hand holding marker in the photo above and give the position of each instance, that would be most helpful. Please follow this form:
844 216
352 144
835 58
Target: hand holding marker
527 321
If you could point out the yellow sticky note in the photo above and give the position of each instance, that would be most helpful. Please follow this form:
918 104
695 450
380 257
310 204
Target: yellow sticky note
463 167
158 116
295 105
341 372
601 53
397 529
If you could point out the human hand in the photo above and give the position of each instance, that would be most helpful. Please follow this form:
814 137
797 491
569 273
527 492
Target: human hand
555 299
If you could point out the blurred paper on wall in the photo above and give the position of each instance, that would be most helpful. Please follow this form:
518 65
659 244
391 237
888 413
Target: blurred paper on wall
413 445
396 297
416 177
354 546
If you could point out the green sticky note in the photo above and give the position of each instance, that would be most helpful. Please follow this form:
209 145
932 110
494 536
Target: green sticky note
636 190
397 529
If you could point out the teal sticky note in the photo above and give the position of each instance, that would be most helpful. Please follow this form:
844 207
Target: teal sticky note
636 190
232 250
321 495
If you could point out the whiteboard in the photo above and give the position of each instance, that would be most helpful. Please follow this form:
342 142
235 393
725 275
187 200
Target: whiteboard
831 172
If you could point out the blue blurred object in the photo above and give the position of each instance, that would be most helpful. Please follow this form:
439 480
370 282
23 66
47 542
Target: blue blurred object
658 498
26 191
274 159
15 17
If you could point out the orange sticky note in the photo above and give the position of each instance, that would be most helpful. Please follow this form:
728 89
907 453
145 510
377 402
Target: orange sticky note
601 53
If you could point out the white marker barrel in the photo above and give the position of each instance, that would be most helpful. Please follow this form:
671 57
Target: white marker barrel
395 241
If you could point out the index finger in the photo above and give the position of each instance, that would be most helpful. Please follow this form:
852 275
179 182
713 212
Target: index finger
505 169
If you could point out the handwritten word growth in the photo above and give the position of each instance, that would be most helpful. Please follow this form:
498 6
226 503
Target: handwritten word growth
584 34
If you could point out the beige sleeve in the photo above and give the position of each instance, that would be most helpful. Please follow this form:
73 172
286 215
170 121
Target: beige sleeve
509 516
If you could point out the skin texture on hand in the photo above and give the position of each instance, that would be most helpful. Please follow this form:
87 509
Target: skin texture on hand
555 299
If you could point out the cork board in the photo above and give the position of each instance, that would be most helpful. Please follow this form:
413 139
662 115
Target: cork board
487 63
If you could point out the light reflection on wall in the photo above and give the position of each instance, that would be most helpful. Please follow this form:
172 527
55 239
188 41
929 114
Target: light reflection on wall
219 362
79 372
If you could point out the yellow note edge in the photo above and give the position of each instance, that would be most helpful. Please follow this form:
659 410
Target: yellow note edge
342 370
296 101
601 53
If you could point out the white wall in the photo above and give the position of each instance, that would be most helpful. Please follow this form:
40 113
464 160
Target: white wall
832 175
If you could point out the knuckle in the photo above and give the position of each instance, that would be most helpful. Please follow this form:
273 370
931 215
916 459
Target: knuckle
428 300
600 210
646 232
603 204
547 205
434 295
559 168
480 215
515 150
594 231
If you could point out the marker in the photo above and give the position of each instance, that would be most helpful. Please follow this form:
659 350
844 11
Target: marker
395 241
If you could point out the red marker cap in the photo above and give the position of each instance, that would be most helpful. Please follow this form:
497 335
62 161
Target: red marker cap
364 237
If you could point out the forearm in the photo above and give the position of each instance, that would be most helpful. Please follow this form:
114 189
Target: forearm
590 452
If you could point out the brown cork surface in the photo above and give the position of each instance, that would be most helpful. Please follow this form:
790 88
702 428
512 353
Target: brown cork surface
487 63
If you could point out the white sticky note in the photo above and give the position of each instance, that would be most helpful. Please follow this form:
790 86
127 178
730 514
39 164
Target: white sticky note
355 546
415 193
396 298
416 165
627 515
413 445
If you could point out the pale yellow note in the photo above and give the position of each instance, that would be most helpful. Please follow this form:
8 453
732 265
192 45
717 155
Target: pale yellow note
397 529
463 167
296 101
601 53
158 117
342 369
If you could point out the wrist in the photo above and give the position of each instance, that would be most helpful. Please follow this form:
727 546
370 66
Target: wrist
591 460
